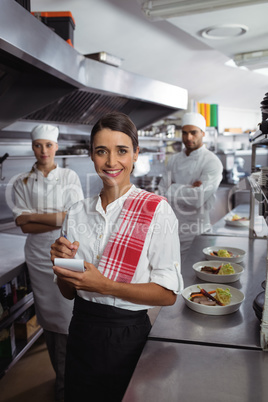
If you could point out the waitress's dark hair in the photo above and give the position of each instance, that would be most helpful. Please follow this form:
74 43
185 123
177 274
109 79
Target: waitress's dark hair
116 121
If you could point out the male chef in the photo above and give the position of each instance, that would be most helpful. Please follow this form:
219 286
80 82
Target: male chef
190 181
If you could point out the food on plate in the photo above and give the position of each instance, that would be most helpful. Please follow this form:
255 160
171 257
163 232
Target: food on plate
224 296
210 270
236 217
226 269
222 253
219 296
223 269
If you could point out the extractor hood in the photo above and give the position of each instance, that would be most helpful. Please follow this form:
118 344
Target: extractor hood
44 79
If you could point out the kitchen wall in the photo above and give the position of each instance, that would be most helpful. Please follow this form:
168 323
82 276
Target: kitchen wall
247 119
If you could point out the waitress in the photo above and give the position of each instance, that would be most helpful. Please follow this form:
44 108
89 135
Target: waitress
42 197
129 241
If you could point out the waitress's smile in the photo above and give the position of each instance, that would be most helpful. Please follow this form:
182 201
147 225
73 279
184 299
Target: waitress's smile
113 156
113 173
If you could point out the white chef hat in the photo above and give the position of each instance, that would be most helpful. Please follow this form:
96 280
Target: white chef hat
45 132
194 119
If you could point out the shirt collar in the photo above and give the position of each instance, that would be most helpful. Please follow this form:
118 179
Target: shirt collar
118 202
54 173
196 152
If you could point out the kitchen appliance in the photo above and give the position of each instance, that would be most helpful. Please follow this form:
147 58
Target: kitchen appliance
258 304
149 183
233 167
228 160
42 78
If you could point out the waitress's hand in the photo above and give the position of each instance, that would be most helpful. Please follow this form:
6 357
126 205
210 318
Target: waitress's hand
63 248
91 280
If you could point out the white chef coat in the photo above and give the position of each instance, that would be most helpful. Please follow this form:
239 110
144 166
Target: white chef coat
191 204
51 194
159 262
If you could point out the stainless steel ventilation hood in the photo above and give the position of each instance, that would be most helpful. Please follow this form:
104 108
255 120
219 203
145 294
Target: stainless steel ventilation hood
44 79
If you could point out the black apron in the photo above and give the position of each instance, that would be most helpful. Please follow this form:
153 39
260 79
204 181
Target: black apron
104 345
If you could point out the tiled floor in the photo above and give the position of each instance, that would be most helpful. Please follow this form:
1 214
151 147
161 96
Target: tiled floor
32 378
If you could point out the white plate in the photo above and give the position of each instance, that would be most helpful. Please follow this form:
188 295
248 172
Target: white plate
230 222
217 278
236 300
238 254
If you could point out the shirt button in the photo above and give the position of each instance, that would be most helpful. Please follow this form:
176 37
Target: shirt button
100 236
98 257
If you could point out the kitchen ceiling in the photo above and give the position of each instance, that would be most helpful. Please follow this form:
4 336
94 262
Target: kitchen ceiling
230 31
173 50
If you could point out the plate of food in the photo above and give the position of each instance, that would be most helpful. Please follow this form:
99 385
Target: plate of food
224 253
213 298
218 271
236 220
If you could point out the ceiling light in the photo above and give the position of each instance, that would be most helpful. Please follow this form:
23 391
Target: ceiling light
224 31
164 9
252 60
263 70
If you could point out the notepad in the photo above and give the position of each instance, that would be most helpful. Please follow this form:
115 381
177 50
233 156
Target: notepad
72 264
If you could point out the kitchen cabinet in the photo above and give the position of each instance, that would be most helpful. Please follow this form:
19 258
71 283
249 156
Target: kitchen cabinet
16 299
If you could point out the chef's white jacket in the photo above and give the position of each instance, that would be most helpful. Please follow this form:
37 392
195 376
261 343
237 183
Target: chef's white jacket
191 204
54 193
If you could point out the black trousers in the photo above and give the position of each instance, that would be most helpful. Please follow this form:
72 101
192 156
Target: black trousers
103 348
56 345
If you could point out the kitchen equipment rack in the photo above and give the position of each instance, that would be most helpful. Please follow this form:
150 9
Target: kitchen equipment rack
260 193
16 299
21 345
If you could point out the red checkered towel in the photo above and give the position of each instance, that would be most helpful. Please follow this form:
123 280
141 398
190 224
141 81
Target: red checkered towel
122 252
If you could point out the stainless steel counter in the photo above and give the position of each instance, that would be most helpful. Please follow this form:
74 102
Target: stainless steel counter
223 229
191 356
240 329
11 256
176 372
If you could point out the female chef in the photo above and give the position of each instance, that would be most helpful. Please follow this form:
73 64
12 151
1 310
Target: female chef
129 242
42 197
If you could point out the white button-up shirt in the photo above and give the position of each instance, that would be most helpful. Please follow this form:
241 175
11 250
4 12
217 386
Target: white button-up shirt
159 262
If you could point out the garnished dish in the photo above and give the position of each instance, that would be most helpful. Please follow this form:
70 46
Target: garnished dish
223 253
218 271
219 296
223 269
213 299
237 220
